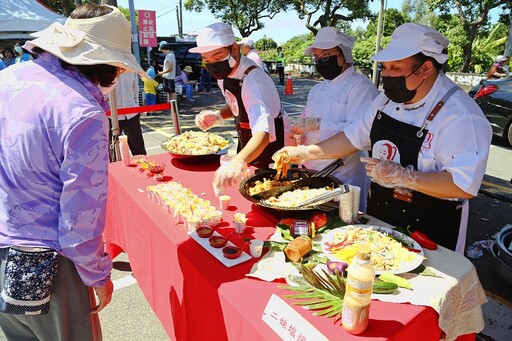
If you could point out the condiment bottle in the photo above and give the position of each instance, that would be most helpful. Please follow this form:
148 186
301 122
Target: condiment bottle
125 149
358 291
298 247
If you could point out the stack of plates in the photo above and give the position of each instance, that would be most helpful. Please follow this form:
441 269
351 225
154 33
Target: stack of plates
502 251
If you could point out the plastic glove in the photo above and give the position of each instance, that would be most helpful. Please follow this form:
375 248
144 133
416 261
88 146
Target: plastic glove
390 174
296 155
207 119
229 173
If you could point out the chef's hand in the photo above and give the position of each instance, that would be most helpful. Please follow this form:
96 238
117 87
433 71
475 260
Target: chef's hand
293 139
229 173
209 118
390 174
104 294
296 155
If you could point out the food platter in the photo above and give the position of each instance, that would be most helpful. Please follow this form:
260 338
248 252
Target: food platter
293 174
196 154
381 247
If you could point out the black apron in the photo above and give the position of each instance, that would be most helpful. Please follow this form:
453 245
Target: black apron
438 219
243 128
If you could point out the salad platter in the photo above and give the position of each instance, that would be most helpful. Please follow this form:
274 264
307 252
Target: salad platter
392 251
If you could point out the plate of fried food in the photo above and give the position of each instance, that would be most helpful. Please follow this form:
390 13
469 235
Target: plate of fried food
197 146
392 251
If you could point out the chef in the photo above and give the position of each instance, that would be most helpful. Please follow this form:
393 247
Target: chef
338 101
252 99
429 139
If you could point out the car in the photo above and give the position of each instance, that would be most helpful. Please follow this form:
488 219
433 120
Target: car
183 56
495 99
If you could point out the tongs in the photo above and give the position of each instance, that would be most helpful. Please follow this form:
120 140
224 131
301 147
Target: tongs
326 196
303 182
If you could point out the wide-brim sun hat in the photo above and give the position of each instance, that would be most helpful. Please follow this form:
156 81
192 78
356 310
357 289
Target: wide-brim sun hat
188 68
213 37
329 37
409 39
100 40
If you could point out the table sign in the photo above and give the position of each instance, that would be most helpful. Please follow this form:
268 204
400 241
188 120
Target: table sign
287 323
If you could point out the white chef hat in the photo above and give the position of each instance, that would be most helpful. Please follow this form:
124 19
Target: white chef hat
214 36
329 37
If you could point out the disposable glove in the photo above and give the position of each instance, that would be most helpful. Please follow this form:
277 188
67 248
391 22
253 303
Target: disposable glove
207 119
390 174
296 155
229 173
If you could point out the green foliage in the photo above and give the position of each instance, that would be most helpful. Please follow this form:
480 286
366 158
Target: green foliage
392 19
265 44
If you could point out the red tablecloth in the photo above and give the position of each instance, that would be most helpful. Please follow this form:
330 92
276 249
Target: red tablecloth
194 295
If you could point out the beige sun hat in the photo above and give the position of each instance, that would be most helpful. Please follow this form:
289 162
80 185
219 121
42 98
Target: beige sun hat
188 68
100 40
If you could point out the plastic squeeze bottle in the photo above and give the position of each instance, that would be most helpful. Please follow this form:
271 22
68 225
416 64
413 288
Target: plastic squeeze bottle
356 305
298 247
124 148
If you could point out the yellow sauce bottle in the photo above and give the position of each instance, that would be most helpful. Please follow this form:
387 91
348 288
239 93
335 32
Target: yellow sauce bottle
298 247
356 304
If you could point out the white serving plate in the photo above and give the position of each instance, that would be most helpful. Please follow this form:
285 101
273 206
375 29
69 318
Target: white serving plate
217 252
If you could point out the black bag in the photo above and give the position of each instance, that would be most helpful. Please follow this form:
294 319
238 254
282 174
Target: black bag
28 281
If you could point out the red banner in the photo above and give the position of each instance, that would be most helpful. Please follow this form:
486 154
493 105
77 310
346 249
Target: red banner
147 28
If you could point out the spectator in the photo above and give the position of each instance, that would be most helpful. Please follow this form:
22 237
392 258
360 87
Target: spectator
22 55
127 94
252 100
8 56
338 101
169 71
499 69
54 167
429 140
280 65
205 80
150 89
185 82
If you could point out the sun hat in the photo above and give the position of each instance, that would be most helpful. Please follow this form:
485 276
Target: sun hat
409 39
329 37
161 44
500 59
246 41
188 68
213 37
100 40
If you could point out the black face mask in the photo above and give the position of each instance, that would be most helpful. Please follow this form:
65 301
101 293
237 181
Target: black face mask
330 68
396 90
220 70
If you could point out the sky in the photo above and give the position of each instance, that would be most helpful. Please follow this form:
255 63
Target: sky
281 28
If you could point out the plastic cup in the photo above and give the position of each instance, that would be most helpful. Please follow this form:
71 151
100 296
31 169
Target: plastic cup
224 201
239 227
357 197
256 248
192 223
215 218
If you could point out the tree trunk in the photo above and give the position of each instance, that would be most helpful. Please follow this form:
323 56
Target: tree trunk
109 2
508 45
66 7
78 3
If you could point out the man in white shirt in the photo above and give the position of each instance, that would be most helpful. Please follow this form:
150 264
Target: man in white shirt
430 141
127 94
339 100
169 71
252 99
247 48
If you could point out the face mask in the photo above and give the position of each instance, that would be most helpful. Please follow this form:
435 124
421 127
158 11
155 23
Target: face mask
330 68
396 89
18 49
222 69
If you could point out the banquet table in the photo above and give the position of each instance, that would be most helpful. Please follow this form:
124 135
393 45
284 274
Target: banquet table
193 294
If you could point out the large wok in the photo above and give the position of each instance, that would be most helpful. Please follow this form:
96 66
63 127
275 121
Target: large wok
293 174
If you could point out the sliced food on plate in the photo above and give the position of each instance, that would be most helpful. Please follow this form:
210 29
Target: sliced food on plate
195 143
388 253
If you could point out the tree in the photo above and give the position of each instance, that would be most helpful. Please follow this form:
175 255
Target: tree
265 44
332 12
473 15
392 19
245 15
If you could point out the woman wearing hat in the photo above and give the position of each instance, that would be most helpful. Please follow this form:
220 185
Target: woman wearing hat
440 134
251 97
53 176
499 68
185 82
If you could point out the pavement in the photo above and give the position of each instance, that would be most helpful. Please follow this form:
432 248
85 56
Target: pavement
129 317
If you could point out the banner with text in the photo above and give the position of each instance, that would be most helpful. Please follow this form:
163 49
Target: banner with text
147 28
